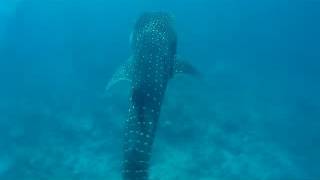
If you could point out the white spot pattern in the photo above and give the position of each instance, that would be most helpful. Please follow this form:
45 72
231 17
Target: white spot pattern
152 68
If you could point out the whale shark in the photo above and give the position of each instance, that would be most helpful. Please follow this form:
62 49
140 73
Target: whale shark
153 62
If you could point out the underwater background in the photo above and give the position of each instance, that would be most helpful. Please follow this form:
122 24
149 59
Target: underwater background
255 114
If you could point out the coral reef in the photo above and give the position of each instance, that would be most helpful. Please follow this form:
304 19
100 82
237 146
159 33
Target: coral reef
201 135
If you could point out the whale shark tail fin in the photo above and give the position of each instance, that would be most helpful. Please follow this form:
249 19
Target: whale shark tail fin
184 67
123 73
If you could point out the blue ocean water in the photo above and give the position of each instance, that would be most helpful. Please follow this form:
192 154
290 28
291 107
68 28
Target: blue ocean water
254 115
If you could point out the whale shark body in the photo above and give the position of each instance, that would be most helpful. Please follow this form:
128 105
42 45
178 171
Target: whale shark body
152 64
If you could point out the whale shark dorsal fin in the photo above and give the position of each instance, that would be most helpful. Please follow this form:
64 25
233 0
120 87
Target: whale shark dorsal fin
123 73
183 67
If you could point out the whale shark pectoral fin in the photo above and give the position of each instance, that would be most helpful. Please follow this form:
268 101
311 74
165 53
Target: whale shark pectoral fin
183 67
124 73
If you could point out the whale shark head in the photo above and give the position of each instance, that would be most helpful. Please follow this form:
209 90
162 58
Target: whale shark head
154 30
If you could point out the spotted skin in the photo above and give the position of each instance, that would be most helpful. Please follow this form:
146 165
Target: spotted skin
154 49
152 64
